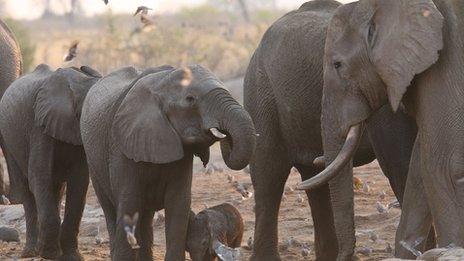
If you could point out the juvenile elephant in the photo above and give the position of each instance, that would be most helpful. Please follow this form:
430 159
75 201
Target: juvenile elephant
215 232
393 51
141 131
283 93
10 69
39 123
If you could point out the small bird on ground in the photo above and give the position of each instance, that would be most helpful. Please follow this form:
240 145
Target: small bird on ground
299 199
389 248
357 183
382 195
5 200
243 190
373 236
305 252
367 251
230 178
250 243
366 188
72 51
381 208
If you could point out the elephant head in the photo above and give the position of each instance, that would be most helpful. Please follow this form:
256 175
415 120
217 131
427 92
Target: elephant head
170 111
202 244
374 49
59 100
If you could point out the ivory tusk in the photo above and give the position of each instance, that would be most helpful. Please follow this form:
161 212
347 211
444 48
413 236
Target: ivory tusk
216 133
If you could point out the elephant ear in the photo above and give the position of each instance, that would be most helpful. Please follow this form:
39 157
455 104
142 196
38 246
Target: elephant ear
55 112
142 129
405 37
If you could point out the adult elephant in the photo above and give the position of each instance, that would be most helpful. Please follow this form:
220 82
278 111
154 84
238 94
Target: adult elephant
140 132
380 52
39 123
283 93
10 69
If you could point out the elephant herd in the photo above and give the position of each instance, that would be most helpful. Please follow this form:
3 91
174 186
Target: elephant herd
329 87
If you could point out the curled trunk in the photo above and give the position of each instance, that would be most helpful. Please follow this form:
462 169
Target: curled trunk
231 119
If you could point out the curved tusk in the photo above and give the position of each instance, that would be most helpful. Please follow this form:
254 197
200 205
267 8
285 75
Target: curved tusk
216 133
319 162
343 157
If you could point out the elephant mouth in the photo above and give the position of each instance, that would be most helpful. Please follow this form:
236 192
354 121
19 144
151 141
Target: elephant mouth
344 156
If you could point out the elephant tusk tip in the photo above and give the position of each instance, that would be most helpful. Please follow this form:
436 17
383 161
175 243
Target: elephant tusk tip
216 133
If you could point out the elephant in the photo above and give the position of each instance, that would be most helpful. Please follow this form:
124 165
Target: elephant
397 52
215 232
283 93
39 123
140 131
10 69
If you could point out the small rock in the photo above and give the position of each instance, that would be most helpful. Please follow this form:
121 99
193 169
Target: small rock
381 208
373 236
366 188
9 234
382 195
443 254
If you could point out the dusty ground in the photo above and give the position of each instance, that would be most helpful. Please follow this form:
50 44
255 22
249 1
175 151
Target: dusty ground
214 188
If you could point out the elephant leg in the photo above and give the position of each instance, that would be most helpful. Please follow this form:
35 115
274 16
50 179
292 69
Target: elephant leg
110 214
145 233
76 191
30 211
45 192
177 200
325 238
269 172
416 218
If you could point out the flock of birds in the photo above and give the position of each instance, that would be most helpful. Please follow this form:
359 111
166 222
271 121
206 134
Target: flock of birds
147 25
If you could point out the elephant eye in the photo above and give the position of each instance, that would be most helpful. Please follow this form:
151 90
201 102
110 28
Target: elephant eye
190 99
337 65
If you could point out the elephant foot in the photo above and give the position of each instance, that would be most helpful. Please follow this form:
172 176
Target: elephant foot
50 252
267 257
72 256
29 252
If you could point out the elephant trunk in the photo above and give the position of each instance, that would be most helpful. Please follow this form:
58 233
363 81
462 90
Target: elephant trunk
233 121
338 152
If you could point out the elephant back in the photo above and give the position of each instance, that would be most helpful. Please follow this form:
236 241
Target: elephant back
10 57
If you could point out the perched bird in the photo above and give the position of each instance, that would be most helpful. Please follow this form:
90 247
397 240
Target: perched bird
292 242
142 10
130 224
381 208
72 51
305 251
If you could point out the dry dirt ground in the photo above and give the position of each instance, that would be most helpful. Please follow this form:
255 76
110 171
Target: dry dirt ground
214 188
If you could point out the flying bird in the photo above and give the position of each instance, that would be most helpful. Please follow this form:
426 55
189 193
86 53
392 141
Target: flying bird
142 9
72 51
105 1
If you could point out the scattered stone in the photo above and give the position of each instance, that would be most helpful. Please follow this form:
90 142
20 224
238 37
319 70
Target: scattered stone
382 195
454 253
9 234
381 208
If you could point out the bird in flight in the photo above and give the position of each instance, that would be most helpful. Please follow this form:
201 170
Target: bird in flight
72 51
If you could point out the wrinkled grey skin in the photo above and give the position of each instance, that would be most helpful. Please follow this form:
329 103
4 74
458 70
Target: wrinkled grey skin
221 224
140 132
39 123
283 93
10 69
394 51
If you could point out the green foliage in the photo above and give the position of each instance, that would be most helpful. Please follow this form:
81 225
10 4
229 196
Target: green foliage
25 41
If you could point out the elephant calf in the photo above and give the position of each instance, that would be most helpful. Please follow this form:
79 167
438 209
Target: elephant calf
140 131
39 123
214 232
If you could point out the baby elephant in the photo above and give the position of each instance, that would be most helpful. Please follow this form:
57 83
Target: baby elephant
215 232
